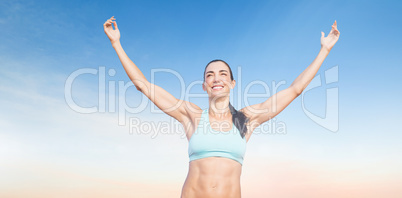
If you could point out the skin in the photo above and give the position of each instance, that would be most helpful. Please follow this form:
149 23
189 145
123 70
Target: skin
214 176
217 176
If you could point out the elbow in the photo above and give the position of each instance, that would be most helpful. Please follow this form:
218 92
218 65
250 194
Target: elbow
141 85
297 90
138 88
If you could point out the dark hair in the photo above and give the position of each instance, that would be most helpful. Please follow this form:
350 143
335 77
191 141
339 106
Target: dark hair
238 118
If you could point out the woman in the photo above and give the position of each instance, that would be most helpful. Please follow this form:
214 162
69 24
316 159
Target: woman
217 135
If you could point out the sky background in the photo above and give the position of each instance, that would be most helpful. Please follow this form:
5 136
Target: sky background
48 148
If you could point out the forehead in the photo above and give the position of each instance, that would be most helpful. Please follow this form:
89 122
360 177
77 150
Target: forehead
217 66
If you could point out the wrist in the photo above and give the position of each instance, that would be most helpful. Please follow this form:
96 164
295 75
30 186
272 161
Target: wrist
325 49
115 43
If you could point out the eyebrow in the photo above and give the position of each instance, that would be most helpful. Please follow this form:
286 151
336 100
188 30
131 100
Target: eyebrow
219 71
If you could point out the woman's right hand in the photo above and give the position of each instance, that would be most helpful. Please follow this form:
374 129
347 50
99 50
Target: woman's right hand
113 34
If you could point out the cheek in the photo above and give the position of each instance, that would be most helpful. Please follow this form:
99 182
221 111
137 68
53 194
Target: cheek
206 83
209 80
226 81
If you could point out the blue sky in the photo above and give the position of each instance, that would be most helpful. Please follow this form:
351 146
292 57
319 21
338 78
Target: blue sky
46 41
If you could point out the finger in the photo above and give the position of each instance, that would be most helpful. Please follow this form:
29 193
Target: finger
115 25
107 25
334 25
322 34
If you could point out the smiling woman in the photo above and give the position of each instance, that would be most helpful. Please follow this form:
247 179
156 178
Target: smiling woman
238 118
217 135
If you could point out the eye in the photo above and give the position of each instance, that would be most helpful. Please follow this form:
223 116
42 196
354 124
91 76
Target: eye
209 75
224 74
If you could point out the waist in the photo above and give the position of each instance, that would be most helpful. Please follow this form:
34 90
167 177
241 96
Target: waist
213 177
215 168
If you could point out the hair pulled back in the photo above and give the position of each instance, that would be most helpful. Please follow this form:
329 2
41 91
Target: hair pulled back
238 118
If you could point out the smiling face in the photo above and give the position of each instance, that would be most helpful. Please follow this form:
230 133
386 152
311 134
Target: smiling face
218 79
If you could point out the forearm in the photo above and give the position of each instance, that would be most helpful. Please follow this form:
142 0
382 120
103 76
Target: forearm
301 82
133 72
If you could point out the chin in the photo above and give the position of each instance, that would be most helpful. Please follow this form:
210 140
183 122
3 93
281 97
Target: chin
219 93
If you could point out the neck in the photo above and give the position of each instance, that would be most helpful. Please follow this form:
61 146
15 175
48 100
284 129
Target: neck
219 108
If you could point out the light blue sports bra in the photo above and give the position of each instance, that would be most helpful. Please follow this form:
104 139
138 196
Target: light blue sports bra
206 142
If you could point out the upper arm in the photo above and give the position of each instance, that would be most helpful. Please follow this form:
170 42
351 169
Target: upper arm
176 108
262 112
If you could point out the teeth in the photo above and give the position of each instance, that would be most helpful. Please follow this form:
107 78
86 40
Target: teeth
218 87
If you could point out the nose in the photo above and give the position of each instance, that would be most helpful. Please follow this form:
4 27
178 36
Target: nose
217 81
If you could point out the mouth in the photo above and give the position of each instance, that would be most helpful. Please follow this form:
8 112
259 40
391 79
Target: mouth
217 87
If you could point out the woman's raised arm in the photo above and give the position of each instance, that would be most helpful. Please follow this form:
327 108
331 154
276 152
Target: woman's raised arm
301 82
262 112
172 106
133 72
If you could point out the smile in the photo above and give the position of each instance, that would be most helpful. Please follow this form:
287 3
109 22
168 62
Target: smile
217 87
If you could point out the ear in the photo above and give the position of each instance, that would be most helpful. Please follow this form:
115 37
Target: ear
203 87
233 84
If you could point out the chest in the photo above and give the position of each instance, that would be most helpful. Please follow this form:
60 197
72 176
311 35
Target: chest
221 125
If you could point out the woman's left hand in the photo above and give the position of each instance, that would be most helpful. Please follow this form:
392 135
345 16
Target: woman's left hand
329 41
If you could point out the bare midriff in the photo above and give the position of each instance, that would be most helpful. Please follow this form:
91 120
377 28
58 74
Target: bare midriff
215 177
